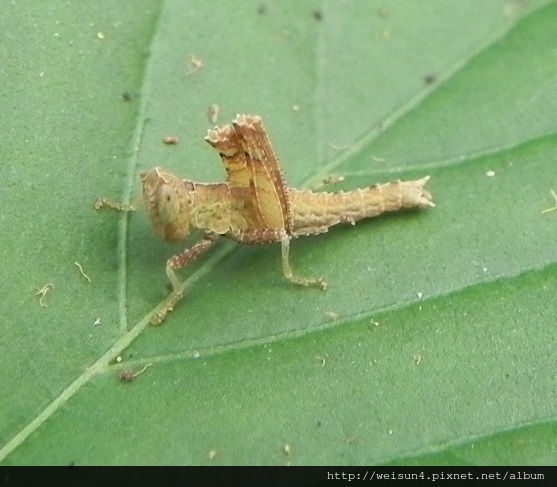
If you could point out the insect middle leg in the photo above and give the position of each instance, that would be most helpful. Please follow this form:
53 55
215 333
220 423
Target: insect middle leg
177 262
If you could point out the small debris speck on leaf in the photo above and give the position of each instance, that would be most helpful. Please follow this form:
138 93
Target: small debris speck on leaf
171 140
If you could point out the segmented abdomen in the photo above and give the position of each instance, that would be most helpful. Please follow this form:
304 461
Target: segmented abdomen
315 212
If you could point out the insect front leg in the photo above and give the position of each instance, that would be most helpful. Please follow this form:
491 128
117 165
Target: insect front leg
115 205
177 262
289 273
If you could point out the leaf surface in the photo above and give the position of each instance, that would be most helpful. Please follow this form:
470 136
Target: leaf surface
442 350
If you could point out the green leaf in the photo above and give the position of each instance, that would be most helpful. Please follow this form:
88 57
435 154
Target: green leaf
443 351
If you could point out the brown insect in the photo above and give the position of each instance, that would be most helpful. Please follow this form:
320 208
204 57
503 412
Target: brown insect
254 205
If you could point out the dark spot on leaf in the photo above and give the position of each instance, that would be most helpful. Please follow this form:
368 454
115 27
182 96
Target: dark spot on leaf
429 79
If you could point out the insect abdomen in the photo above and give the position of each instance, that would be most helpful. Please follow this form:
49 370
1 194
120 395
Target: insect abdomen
315 212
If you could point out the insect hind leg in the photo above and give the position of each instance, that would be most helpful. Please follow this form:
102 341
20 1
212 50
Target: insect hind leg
289 273
268 235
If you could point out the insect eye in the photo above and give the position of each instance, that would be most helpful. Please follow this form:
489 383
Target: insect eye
168 203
